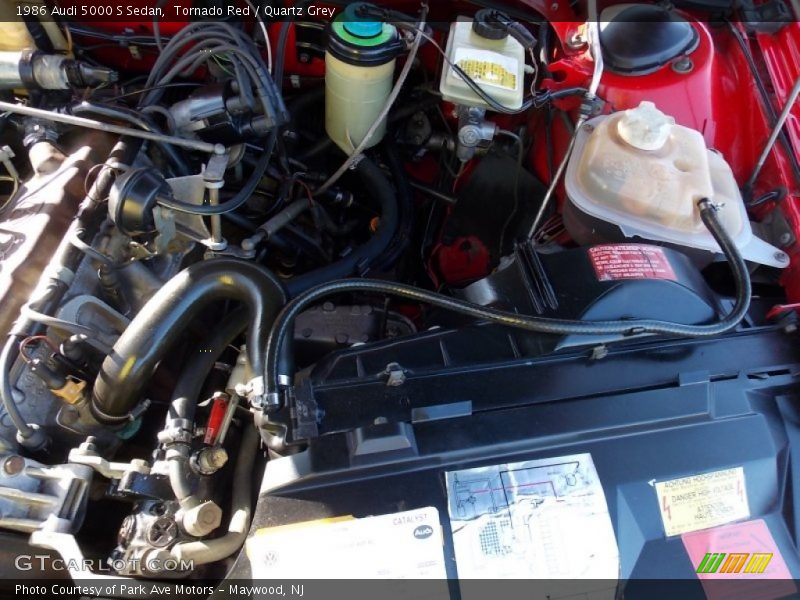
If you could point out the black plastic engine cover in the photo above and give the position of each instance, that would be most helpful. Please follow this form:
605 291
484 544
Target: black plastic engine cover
652 411
605 282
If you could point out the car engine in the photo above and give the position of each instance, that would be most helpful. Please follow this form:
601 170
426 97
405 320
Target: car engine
274 268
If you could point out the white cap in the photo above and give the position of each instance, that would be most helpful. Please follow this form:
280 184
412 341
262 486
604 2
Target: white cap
645 127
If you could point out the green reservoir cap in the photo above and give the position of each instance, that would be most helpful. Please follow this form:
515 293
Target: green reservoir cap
363 42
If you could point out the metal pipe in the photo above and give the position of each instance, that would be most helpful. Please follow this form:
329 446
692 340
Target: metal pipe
275 224
216 221
593 35
556 178
29 111
203 552
593 38
776 131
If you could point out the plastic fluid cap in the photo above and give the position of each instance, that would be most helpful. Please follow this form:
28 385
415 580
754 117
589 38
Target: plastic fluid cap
645 127
362 42
358 26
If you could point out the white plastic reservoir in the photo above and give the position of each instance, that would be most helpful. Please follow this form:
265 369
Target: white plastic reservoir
641 172
497 66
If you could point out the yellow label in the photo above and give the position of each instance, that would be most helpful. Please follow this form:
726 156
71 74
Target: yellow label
490 73
702 501
302 525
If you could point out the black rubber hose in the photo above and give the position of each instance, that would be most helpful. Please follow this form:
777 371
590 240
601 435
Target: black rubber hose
193 375
362 257
126 372
279 349
187 392
405 209
87 220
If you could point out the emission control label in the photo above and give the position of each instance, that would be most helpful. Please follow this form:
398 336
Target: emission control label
702 501
404 545
613 262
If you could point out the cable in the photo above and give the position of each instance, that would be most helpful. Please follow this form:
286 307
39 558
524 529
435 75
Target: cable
137 120
264 32
589 97
7 358
776 131
401 79
520 158
278 352
362 257
157 87
532 102
551 189
74 238
241 196
766 98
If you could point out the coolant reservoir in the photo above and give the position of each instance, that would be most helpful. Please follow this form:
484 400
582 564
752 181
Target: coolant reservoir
359 68
13 31
640 172
495 63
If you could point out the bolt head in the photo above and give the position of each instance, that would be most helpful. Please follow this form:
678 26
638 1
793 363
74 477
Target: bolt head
13 465
202 519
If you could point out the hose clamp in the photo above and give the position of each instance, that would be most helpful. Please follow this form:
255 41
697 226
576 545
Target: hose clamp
177 431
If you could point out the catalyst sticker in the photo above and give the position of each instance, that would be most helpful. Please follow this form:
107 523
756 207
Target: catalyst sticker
702 501
404 545
742 551
542 519
613 262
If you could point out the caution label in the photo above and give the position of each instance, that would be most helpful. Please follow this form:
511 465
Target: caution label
488 68
702 501
613 262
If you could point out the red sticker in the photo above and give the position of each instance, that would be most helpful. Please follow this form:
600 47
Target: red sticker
613 262
745 552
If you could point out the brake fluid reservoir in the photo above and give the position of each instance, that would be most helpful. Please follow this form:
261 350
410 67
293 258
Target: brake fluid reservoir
359 68
491 57
643 174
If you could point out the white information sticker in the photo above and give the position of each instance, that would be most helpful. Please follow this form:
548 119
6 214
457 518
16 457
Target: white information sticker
541 519
405 545
702 501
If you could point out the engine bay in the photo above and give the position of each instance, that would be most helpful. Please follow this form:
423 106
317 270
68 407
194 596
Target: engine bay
311 261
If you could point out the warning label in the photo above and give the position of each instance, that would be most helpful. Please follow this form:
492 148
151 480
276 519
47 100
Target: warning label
490 68
613 262
702 501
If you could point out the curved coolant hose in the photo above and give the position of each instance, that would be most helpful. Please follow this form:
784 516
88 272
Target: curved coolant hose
187 391
208 551
359 259
126 372
193 376
278 349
